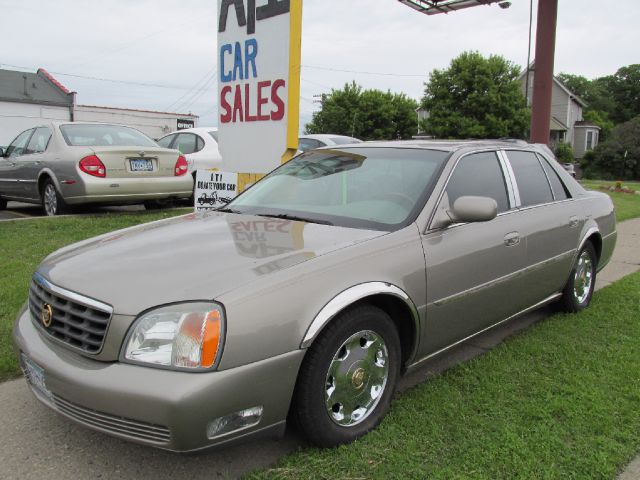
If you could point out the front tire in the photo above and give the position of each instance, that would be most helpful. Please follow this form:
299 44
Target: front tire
579 289
52 202
348 377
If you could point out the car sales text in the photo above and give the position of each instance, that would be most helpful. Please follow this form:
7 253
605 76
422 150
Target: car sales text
242 98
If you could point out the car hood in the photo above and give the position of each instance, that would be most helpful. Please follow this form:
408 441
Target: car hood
192 257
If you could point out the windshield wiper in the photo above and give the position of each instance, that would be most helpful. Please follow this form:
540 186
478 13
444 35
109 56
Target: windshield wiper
286 216
227 210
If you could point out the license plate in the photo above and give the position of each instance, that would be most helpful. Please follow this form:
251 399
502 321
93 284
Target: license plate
141 165
35 376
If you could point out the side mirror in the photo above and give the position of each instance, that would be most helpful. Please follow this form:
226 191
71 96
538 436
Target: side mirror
1 152
473 209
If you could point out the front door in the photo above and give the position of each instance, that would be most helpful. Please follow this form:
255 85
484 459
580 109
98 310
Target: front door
472 268
9 166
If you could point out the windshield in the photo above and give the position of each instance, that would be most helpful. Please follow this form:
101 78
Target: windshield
99 135
372 188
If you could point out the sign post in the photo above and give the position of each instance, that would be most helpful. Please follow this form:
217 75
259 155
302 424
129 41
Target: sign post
258 85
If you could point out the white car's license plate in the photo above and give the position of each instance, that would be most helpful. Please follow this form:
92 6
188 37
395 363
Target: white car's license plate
35 376
141 165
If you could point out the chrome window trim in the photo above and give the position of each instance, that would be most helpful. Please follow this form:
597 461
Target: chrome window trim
353 294
446 183
509 181
516 190
73 296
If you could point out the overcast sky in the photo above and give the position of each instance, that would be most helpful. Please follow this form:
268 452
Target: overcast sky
170 45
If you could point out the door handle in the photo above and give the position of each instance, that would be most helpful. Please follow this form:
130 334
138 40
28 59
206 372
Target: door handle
511 239
573 221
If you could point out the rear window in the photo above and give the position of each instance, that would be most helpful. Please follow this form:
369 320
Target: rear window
344 140
99 135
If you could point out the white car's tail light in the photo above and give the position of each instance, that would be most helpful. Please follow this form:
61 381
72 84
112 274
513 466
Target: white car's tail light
181 166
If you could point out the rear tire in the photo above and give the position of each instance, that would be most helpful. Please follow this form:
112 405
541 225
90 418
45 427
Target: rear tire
158 204
348 377
3 204
578 291
52 202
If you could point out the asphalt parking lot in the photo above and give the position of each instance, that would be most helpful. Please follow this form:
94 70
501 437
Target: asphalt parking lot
38 443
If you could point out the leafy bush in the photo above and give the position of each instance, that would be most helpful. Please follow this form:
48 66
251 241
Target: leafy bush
564 153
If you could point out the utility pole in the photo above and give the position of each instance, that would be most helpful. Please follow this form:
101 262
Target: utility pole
543 71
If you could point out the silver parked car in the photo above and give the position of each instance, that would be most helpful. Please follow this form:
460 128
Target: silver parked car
307 296
64 164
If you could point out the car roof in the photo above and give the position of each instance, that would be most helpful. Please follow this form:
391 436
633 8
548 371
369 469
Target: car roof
195 130
442 145
325 136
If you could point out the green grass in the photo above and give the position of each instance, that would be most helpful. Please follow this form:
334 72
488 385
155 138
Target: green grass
627 205
561 400
23 245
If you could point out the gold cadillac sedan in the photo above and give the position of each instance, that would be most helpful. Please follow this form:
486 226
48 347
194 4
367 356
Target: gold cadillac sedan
309 295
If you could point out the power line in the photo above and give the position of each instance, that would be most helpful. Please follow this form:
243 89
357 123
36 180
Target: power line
196 85
197 95
386 74
110 80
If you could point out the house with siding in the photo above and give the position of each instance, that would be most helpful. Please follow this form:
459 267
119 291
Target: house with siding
567 124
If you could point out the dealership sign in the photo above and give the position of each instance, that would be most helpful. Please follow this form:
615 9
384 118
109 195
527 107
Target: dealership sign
258 82
214 189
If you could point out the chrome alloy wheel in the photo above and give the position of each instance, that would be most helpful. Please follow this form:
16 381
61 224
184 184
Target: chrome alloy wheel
50 200
583 277
356 378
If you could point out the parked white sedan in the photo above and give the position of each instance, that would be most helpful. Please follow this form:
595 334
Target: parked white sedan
63 164
198 145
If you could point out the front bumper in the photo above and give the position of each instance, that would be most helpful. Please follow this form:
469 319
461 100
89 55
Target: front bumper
161 408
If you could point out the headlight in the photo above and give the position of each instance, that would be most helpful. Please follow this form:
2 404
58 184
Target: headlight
181 336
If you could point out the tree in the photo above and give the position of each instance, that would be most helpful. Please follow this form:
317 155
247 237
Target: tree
625 89
612 98
619 156
476 97
365 114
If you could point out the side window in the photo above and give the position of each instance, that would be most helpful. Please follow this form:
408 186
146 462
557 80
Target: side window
532 182
166 141
19 145
479 174
186 143
199 143
559 190
39 140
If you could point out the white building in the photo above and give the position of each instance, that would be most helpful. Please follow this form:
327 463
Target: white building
153 124
31 99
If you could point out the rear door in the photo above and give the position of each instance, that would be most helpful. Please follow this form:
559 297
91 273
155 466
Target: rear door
30 164
551 223
472 268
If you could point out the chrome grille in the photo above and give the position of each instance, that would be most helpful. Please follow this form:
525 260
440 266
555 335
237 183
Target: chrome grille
146 432
76 321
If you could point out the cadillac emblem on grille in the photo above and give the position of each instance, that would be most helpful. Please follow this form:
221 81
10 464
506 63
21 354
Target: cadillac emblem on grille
46 315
